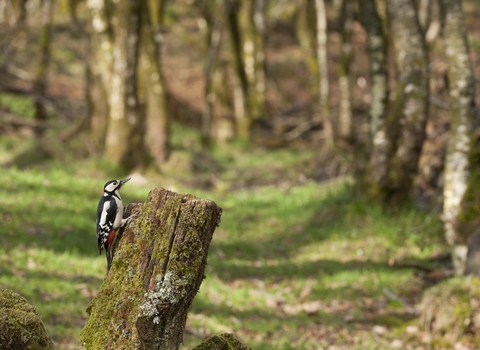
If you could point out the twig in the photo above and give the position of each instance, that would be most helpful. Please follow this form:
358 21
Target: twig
392 296
301 129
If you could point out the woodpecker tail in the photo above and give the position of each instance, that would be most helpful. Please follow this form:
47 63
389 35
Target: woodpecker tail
109 258
108 245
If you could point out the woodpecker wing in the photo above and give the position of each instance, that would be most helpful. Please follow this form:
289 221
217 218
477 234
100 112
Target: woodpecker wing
106 213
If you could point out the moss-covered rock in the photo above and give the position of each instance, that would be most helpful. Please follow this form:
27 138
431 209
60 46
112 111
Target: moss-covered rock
157 268
451 309
224 341
20 325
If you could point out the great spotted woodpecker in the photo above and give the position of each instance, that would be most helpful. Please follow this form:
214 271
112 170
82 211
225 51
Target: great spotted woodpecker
110 216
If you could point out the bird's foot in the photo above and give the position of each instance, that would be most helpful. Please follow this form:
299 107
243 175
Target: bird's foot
128 219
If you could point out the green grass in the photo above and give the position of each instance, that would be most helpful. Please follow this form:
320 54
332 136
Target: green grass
21 105
279 249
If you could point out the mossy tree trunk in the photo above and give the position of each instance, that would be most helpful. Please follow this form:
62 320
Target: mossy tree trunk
213 14
305 23
157 268
411 62
381 144
241 86
322 60
254 53
124 144
153 83
99 70
410 110
377 52
460 196
345 121
40 84
114 60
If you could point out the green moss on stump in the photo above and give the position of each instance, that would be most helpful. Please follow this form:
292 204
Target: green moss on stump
224 341
20 325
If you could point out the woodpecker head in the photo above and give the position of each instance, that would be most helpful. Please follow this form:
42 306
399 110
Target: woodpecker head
113 186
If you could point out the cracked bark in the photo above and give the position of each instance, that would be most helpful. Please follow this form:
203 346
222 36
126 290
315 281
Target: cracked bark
157 268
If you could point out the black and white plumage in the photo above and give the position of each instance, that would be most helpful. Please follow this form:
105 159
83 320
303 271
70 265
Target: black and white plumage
110 216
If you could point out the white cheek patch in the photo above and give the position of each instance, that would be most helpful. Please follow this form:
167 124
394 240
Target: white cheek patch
111 187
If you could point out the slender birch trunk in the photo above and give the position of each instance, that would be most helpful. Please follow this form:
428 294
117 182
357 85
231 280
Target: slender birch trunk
381 143
99 69
345 122
153 83
324 87
240 93
459 196
40 84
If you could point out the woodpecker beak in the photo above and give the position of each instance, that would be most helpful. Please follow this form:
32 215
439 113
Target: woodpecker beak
124 181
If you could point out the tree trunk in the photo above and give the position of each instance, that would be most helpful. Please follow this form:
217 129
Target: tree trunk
22 9
460 197
324 94
424 13
411 100
213 13
256 52
40 84
99 70
157 268
153 83
381 144
240 93
124 144
306 22
345 122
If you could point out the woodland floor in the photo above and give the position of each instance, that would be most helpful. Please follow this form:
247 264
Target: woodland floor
301 259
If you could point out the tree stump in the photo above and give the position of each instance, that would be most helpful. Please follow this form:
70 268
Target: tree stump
157 268
20 325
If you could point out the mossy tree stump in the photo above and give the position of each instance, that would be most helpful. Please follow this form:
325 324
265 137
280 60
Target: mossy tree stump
157 268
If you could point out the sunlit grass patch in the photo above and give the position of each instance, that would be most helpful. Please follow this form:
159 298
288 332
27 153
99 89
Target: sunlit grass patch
18 104
309 256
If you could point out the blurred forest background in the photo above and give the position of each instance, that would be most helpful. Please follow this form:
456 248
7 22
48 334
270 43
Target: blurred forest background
340 137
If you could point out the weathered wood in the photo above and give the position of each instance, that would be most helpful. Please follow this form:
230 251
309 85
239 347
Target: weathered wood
157 268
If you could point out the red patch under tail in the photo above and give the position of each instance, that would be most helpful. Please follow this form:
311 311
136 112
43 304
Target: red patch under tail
110 238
